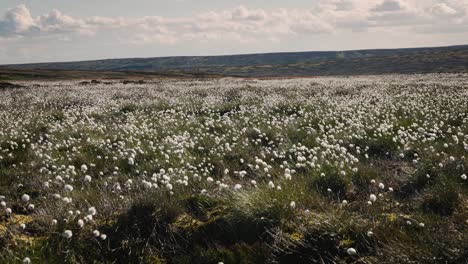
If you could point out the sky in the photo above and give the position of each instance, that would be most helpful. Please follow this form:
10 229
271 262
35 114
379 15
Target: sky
70 30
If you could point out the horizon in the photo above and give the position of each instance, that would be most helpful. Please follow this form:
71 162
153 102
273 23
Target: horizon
238 54
58 31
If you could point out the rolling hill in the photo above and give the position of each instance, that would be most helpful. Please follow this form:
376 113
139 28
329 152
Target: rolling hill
315 63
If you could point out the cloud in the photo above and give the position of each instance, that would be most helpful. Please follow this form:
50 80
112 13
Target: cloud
389 6
241 24
442 9
241 13
343 5
57 23
17 21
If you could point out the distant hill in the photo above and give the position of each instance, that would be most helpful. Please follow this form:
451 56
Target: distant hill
377 61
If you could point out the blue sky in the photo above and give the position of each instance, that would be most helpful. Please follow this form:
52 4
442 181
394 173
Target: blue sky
65 30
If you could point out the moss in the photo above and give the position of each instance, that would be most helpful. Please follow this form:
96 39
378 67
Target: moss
13 222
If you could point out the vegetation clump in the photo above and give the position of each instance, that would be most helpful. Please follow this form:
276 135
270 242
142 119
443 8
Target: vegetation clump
331 170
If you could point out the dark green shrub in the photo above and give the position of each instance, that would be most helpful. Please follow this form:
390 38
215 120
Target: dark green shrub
379 148
237 253
442 199
361 180
333 181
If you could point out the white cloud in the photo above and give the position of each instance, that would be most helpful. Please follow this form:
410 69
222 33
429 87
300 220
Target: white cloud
243 14
56 22
389 6
254 27
343 5
241 23
17 21
442 9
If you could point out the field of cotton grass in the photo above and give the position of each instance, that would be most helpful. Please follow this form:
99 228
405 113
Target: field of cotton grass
368 169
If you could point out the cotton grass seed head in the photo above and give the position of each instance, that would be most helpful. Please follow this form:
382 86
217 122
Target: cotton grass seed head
25 198
67 234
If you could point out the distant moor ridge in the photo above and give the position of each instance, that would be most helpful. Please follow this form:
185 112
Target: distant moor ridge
450 59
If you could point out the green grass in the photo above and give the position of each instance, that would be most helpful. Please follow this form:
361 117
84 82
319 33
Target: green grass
335 149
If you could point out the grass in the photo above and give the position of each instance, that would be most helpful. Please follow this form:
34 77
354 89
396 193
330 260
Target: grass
307 172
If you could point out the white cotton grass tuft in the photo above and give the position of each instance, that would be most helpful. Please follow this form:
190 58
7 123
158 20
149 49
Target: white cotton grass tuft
26 260
25 198
67 234
351 251
292 205
87 178
80 223
92 210
287 175
147 184
68 188
271 185
463 177
372 198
